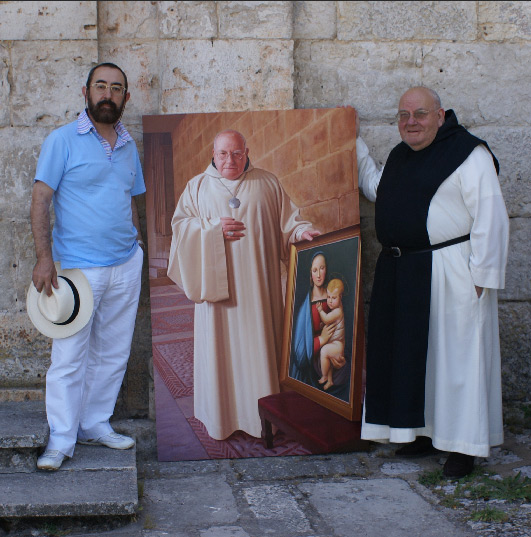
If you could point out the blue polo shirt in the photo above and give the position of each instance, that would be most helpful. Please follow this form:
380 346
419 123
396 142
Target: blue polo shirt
92 200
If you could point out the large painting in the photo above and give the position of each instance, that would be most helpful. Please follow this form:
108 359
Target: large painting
312 152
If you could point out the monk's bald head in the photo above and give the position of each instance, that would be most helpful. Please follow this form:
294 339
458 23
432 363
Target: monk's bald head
420 116
230 133
230 153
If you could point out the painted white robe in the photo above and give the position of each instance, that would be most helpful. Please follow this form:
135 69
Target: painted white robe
237 289
463 404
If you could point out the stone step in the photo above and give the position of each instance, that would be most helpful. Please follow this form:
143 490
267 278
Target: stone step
23 425
96 481
24 433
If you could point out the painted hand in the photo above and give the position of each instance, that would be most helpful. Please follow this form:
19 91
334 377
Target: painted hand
309 234
232 229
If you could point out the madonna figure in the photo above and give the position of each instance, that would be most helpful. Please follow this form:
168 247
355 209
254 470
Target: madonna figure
310 335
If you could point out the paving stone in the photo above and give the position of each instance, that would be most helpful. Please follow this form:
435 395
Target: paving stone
525 471
400 468
377 507
194 501
294 467
276 510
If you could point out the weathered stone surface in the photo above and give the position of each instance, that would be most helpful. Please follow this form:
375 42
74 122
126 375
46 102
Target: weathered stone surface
128 20
17 460
217 506
19 395
23 425
518 277
19 151
5 86
47 80
275 507
515 341
511 147
48 20
399 468
314 20
501 21
464 76
239 75
139 61
394 21
24 354
16 264
293 467
369 505
257 20
69 493
380 139
368 76
188 20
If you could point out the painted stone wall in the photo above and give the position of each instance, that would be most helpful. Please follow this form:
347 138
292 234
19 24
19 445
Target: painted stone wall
184 57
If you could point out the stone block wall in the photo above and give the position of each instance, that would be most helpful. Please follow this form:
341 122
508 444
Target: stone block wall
199 56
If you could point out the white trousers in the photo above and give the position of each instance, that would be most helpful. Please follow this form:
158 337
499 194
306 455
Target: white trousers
87 369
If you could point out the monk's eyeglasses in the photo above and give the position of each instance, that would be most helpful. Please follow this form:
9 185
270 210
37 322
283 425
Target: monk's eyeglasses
224 155
419 115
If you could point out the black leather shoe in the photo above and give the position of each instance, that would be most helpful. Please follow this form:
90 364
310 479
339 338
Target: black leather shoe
458 465
420 447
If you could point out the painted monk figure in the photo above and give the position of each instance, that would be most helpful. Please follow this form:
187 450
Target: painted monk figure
232 226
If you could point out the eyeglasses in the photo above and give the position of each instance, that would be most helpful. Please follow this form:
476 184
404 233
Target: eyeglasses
224 155
101 87
419 115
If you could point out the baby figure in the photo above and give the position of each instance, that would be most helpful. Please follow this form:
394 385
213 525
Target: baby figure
336 344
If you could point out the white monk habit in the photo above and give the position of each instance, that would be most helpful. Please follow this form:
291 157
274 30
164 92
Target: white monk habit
463 404
236 286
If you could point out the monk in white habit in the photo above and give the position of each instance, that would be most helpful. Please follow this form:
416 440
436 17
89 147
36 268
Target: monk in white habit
231 228
433 353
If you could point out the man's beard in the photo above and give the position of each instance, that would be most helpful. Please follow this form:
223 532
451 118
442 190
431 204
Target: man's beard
105 115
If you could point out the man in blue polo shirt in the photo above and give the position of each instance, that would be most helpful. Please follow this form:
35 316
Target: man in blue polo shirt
91 171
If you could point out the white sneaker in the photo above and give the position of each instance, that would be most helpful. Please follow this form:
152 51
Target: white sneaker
51 459
112 440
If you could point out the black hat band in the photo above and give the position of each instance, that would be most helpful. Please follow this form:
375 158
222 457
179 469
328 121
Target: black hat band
76 302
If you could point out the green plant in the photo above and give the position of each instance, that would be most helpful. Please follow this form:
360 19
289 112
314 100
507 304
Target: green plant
489 514
451 501
511 488
52 530
429 479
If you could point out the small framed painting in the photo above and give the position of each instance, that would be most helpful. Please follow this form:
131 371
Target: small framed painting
323 338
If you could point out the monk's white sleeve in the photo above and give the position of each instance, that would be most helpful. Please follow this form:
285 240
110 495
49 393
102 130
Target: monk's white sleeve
489 237
368 174
292 226
197 262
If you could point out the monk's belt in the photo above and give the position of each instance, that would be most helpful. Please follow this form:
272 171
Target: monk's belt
397 251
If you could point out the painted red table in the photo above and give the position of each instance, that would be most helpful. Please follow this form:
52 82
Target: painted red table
315 427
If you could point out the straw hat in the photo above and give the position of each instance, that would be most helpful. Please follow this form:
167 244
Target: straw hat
67 310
